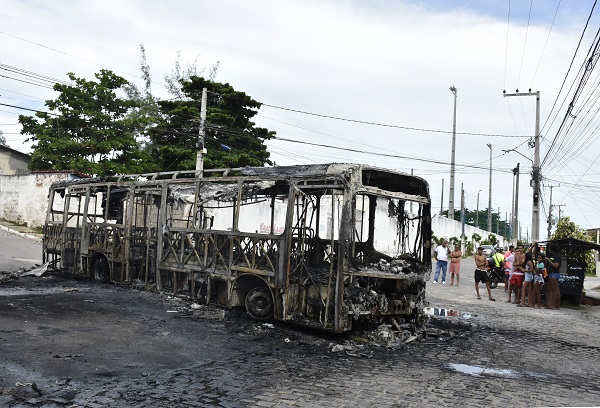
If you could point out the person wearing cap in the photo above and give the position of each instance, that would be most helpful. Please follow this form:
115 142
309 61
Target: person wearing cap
481 263
441 257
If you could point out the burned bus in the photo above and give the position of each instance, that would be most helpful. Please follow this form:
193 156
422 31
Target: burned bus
327 246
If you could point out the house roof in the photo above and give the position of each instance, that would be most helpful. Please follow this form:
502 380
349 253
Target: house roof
77 173
573 243
13 151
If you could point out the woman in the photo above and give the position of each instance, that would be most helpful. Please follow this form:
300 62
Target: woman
553 266
527 289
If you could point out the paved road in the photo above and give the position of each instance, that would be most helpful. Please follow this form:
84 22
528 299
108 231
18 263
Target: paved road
18 252
92 345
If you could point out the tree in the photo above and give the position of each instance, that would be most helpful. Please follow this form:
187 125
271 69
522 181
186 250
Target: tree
568 229
232 139
91 133
179 75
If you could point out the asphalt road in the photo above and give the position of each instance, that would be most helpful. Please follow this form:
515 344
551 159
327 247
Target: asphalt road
18 252
72 342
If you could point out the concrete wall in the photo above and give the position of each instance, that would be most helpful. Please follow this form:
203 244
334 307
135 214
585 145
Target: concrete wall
443 227
13 162
24 198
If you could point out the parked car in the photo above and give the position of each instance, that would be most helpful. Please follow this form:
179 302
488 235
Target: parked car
488 250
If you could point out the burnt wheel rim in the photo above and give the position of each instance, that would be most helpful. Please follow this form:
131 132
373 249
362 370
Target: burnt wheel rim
259 303
100 270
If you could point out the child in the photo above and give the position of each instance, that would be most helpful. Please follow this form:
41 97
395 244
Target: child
538 282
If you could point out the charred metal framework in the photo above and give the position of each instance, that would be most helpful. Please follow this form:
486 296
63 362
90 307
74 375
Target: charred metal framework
325 246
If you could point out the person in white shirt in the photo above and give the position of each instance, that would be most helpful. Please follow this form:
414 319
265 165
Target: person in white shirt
441 256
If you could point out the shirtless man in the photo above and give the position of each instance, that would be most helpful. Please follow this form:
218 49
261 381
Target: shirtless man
481 273
455 256
516 281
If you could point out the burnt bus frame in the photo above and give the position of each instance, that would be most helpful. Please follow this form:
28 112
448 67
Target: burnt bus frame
127 236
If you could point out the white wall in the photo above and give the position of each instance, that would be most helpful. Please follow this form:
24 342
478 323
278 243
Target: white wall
443 227
24 198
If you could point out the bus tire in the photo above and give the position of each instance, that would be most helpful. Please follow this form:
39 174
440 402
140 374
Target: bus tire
259 304
101 270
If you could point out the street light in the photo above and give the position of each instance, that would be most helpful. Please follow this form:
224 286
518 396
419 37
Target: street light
489 223
451 199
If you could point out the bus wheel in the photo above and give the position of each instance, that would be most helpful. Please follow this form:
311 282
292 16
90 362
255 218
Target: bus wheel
101 270
259 304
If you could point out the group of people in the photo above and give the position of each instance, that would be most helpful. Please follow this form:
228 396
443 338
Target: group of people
527 275
531 273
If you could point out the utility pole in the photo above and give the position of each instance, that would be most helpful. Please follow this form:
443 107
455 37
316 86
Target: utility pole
550 213
489 224
515 212
462 217
498 222
411 204
451 200
559 210
200 150
477 213
442 203
536 173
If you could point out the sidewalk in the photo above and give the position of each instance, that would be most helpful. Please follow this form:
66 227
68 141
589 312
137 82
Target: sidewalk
20 230
466 292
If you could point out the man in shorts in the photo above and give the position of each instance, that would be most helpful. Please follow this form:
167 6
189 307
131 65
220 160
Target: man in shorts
481 273
455 256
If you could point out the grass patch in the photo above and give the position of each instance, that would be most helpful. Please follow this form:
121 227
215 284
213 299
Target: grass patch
566 304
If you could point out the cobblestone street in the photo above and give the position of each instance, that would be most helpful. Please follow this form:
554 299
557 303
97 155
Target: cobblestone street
74 343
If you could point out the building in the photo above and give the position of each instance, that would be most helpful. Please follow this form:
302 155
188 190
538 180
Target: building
13 162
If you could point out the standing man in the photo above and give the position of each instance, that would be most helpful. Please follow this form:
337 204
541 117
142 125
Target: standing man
481 273
441 256
455 256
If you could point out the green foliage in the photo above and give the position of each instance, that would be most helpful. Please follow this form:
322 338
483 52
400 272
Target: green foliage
91 134
435 239
471 216
492 239
469 249
232 139
568 229
453 241
476 237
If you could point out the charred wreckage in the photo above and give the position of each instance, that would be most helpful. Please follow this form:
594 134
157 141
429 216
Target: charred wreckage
327 246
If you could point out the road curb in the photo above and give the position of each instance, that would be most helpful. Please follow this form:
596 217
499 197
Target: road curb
21 234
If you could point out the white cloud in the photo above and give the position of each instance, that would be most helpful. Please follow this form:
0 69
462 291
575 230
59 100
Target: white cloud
388 62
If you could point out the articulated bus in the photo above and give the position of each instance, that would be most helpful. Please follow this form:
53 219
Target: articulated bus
329 246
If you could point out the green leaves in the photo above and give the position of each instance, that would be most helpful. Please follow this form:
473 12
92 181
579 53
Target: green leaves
91 133
232 140
106 126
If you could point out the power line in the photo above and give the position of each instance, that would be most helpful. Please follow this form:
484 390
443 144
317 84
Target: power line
545 43
27 109
525 43
364 122
506 51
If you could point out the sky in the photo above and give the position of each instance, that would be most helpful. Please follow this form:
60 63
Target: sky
367 80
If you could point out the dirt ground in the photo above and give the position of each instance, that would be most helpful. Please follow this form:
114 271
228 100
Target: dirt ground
72 342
